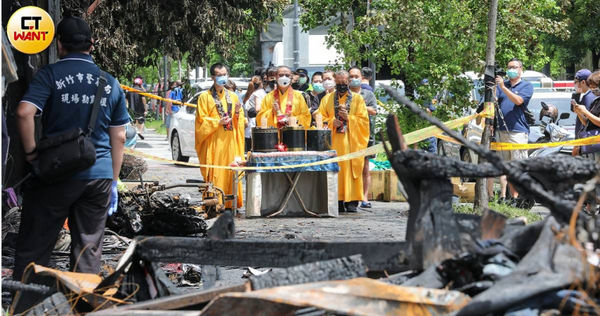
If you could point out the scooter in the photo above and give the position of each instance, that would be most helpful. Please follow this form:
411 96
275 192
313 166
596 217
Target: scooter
552 133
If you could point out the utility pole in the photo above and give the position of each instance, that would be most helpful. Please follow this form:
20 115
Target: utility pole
371 62
481 193
165 86
295 29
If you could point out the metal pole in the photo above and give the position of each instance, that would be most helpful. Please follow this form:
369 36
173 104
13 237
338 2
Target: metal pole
295 29
481 193
371 62
165 86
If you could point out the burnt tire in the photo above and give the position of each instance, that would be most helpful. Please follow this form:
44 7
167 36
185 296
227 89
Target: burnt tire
176 149
56 304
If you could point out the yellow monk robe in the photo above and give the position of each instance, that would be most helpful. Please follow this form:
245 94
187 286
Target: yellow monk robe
299 108
217 146
356 137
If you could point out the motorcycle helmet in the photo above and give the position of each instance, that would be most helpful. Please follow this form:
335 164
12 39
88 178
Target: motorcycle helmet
550 111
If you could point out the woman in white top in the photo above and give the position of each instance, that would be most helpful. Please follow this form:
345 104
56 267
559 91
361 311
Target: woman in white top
252 100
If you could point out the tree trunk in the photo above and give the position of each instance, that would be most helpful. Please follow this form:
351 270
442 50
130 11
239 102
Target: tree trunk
595 60
481 193
179 69
570 71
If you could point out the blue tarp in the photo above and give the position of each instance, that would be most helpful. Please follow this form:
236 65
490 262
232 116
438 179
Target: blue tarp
293 158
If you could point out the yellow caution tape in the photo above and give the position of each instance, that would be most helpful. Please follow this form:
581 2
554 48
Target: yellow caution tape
488 110
410 139
577 142
447 138
154 96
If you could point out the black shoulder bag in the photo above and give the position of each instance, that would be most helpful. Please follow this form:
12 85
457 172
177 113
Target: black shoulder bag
62 156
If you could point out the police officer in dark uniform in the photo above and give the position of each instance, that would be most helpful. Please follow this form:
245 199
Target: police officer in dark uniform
64 93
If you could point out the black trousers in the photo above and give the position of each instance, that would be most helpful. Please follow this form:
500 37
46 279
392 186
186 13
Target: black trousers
45 208
248 144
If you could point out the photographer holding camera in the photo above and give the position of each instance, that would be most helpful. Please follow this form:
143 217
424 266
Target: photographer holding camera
513 97
581 96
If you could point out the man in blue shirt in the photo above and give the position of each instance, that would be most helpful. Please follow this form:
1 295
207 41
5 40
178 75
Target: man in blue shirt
64 93
513 97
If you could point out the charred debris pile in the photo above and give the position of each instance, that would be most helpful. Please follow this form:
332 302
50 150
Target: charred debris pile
450 264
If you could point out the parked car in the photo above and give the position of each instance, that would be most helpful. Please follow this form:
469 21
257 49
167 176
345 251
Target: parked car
182 131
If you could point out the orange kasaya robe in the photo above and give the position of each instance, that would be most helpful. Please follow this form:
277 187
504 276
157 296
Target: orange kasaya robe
356 137
299 108
217 146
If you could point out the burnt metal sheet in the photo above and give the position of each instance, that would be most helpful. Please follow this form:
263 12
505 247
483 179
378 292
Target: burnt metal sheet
492 224
328 270
552 263
175 301
378 256
360 296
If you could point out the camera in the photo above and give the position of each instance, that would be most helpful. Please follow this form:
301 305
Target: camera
499 72
575 96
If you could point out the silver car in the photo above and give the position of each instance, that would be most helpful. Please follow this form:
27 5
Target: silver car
182 131
182 135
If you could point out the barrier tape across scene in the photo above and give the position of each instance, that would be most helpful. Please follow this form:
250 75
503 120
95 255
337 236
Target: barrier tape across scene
410 138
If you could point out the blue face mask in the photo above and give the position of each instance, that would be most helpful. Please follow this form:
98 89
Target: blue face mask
512 73
221 80
318 87
355 82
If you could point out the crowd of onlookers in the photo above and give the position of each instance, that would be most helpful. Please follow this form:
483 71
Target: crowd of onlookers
513 95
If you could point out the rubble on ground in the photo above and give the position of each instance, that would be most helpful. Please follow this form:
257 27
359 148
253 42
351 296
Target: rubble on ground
450 264
132 168
161 213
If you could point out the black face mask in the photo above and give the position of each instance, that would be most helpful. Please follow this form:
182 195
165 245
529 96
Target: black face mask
256 85
341 88
295 86
269 85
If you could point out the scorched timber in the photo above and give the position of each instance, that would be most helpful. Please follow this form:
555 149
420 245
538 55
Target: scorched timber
378 256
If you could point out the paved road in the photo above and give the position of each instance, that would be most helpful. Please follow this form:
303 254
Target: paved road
385 221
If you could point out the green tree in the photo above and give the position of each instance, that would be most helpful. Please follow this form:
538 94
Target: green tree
583 25
437 40
138 32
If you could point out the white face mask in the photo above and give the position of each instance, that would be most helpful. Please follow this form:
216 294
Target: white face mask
284 81
328 84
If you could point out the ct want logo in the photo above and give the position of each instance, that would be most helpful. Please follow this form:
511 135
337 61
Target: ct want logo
30 30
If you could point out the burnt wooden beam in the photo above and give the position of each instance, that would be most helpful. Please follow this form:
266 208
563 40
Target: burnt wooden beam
433 233
328 270
387 256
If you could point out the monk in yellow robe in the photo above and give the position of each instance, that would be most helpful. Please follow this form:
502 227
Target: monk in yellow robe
281 103
220 132
346 115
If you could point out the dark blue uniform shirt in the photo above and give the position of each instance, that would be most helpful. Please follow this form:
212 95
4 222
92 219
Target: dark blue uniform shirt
514 115
64 92
586 100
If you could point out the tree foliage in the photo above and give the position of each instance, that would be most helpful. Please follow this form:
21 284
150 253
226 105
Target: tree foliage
437 40
137 32
583 24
